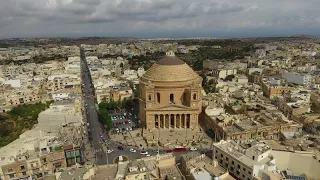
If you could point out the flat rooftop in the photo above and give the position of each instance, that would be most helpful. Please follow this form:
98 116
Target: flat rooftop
106 171
239 153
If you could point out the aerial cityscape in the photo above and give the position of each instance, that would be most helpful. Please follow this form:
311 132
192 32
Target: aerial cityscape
159 90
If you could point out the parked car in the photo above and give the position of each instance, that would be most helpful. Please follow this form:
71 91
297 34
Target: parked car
170 151
144 152
133 150
120 147
155 150
148 155
180 149
193 149
109 151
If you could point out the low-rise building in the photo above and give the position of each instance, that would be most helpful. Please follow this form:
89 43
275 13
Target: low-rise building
273 87
243 163
298 78
196 166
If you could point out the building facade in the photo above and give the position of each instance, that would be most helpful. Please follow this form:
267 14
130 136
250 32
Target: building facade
170 95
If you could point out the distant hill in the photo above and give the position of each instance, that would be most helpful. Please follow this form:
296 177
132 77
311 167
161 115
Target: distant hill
303 36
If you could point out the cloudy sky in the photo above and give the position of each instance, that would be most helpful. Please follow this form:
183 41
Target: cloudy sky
158 18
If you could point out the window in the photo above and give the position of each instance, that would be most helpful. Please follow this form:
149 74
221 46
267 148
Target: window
171 98
232 162
227 158
22 167
238 166
158 98
244 169
149 97
24 173
222 155
253 157
194 96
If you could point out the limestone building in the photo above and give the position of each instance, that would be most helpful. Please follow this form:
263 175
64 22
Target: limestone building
170 95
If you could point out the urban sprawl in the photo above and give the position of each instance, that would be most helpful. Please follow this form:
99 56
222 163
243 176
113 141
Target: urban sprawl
160 109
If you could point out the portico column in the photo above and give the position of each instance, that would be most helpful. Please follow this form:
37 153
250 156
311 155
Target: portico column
174 122
164 121
185 121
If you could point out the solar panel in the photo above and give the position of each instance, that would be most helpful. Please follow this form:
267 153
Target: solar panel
291 177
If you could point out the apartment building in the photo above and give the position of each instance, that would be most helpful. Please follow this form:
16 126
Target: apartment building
154 167
34 164
298 78
196 166
243 163
244 128
119 93
293 103
273 87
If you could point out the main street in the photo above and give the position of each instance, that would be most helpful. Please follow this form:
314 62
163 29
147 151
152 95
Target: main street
96 129
92 116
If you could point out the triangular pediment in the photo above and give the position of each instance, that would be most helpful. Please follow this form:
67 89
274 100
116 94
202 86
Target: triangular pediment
173 107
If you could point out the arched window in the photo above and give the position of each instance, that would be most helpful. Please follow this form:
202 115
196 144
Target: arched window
158 98
149 97
171 98
194 96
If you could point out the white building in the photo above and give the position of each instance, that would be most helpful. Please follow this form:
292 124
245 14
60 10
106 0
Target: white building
59 96
15 83
243 163
298 78
140 71
223 73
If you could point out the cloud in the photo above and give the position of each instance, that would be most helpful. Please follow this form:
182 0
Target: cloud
21 18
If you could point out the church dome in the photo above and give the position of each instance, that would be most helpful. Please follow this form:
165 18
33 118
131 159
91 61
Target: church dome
170 68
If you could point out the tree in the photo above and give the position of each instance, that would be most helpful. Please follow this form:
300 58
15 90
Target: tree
4 131
229 77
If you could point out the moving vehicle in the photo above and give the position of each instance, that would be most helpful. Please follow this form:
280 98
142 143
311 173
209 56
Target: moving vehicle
120 147
133 150
193 149
109 151
180 149
144 152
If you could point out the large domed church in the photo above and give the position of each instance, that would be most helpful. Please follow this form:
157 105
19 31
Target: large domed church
170 95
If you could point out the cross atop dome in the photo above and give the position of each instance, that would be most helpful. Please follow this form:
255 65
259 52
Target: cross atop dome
170 53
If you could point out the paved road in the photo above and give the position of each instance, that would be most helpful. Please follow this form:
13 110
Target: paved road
92 116
96 129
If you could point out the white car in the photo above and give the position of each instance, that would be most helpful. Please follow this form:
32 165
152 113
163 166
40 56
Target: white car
133 150
193 149
144 152
148 155
109 151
